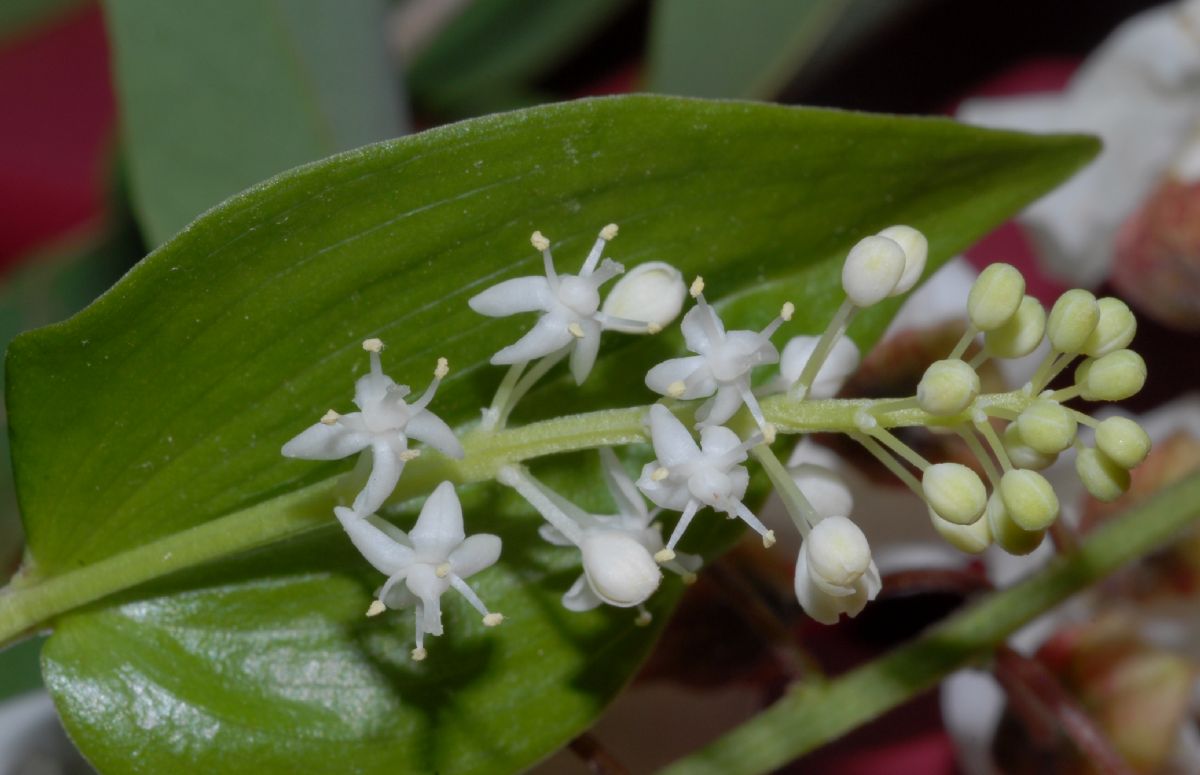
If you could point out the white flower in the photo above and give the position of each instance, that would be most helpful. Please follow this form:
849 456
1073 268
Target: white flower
381 428
615 547
721 366
569 306
433 557
1140 91
835 573
841 362
650 294
687 476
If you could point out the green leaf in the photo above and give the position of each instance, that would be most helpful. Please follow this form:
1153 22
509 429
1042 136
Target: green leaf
714 48
146 430
818 713
488 56
217 96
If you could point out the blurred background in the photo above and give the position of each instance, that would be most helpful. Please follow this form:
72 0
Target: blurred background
102 159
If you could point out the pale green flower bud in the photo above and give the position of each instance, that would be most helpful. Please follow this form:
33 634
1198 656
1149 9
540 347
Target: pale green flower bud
872 269
1021 454
1112 377
972 538
1104 479
1007 534
995 296
1072 320
1029 499
1123 441
954 492
1115 329
1021 334
916 250
947 387
1047 426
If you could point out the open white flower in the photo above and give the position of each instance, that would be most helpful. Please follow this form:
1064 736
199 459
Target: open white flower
433 557
686 476
722 364
569 306
835 573
381 428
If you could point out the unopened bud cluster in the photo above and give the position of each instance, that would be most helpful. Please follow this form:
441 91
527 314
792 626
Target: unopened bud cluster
703 467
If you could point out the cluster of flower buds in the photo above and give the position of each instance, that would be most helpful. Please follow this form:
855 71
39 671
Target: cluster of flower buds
1012 435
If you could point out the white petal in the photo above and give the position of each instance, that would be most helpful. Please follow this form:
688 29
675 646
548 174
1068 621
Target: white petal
583 356
474 554
652 292
520 294
673 444
721 407
815 603
386 466
373 387
385 554
428 427
696 327
664 375
439 527
548 335
330 442
390 530
718 441
618 568
580 596
666 493
754 348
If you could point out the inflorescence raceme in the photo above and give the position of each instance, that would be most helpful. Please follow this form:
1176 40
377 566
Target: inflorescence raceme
1012 436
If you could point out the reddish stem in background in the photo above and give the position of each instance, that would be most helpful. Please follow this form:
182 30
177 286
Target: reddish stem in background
597 758
957 581
1044 706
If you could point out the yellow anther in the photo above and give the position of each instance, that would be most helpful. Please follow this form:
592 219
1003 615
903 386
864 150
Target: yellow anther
442 368
539 241
373 345
330 417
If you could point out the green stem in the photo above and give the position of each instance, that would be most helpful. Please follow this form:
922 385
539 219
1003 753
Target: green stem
817 713
33 602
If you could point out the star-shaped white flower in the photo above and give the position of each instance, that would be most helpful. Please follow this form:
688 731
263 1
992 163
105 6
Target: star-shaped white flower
569 306
687 476
722 364
381 428
604 540
835 573
435 556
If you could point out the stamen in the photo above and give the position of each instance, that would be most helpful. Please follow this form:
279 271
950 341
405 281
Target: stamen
442 368
493 619
409 454
743 387
607 234
373 345
664 556
465 590
575 330
440 371
443 570
660 473
330 417
376 608
643 618
747 516
419 654
697 287
685 519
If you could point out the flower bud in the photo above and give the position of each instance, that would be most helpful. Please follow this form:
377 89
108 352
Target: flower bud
995 296
1029 499
1113 331
838 554
947 387
1047 426
1104 480
1021 334
916 250
650 293
1123 441
824 489
1021 454
1007 534
619 569
841 362
954 492
972 538
1112 377
872 269
1072 320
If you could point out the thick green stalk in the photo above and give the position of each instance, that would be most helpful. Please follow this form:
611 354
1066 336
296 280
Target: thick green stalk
816 713
32 602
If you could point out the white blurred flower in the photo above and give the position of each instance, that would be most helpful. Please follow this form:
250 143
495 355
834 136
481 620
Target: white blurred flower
381 428
1140 91
841 362
434 556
